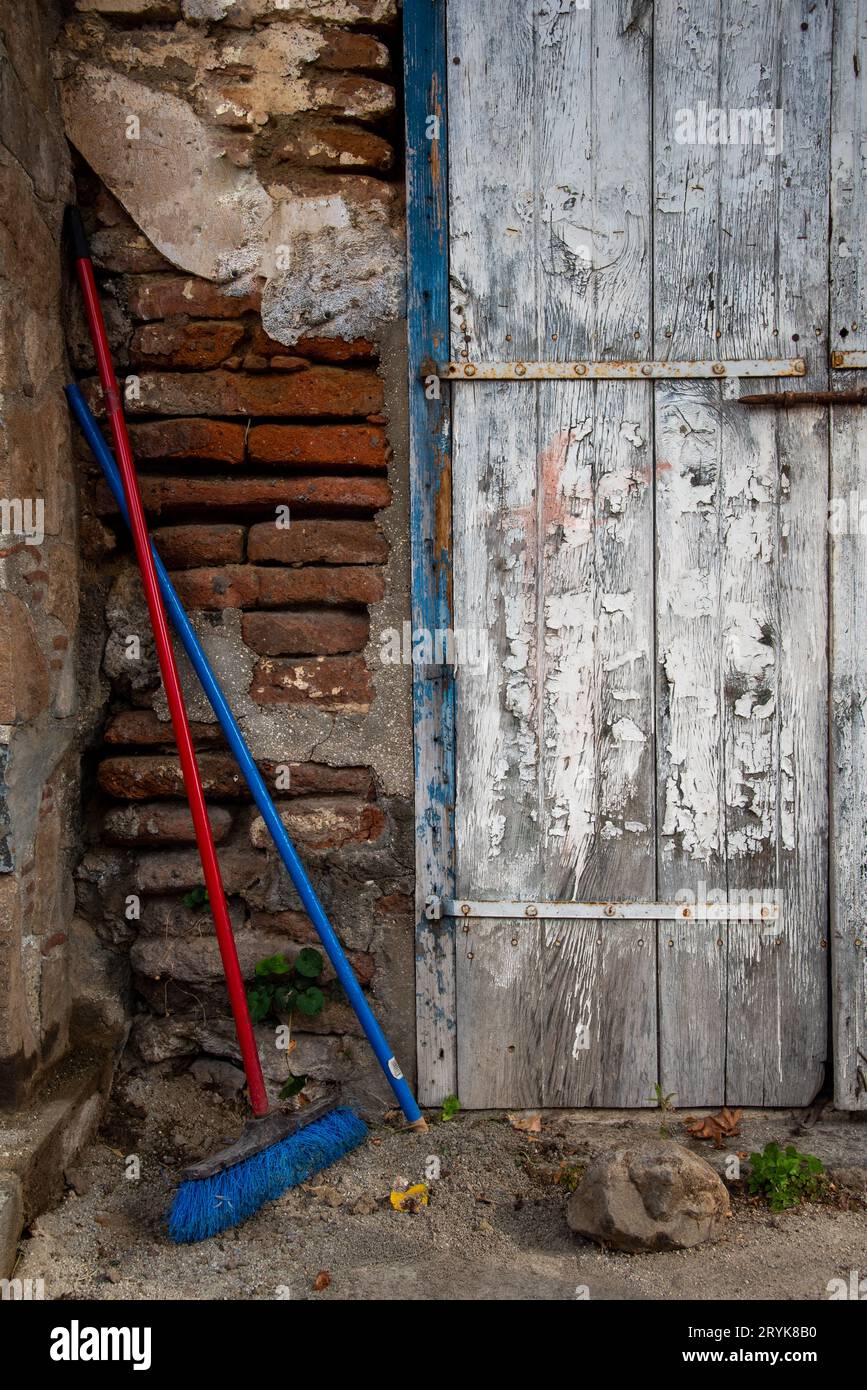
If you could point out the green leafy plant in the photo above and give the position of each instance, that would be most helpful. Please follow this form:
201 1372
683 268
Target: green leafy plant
451 1106
661 1101
666 1104
569 1174
281 987
785 1176
196 897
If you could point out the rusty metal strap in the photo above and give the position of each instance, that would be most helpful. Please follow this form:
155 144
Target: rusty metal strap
618 371
726 911
849 360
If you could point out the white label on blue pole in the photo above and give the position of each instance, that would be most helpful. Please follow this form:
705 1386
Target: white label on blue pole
395 1069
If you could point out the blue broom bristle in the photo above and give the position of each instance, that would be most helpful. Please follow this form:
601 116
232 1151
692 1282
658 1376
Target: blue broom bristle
205 1206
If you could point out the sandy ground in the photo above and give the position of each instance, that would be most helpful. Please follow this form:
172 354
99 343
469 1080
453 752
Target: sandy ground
494 1228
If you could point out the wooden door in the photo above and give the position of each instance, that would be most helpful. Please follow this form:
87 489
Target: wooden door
647 559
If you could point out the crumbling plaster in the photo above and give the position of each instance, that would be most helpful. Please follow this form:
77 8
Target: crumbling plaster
176 144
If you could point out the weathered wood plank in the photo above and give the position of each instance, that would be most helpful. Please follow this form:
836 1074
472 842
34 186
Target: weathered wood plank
849 562
789 1019
689 635
492 99
500 1014
754 287
596 551
751 555
430 502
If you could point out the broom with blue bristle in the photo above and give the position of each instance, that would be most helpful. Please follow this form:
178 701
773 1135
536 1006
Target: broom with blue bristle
277 1149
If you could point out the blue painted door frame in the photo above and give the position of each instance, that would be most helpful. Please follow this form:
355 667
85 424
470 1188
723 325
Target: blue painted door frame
431 523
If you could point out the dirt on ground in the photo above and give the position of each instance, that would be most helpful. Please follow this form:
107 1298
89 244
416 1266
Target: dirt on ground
494 1227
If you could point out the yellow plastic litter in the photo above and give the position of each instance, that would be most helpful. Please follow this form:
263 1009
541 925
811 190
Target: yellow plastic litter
411 1197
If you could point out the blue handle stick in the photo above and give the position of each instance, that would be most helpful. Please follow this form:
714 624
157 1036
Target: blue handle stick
255 782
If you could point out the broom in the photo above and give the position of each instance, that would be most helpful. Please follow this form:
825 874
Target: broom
277 1150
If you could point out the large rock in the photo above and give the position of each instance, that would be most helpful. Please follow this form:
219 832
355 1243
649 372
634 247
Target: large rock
660 1197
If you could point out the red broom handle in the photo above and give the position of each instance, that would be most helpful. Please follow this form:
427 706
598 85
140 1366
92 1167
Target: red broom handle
169 670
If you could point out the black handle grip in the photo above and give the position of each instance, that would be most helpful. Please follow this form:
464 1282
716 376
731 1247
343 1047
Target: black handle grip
76 234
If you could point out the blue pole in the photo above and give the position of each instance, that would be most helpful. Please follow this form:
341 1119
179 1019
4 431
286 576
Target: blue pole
255 781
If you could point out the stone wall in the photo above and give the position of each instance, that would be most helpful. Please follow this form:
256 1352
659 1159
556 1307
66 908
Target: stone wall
39 704
238 169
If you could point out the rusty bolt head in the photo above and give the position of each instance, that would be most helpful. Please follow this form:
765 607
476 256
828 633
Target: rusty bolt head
531 910
520 369
580 368
718 369
469 369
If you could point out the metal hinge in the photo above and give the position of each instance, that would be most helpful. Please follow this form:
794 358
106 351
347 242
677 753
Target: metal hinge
436 908
621 371
849 360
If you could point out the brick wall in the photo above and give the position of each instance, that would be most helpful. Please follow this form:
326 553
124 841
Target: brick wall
235 431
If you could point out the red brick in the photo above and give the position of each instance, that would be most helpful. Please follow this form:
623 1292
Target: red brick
324 494
151 775
248 586
167 296
324 823
279 587
179 870
360 52
335 542
160 824
198 344
358 97
143 727
333 146
336 349
134 778
232 586
206 441
185 547
322 446
319 349
338 683
282 363
311 779
305 632
314 392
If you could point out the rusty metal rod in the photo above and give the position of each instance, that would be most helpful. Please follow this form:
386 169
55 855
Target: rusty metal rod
781 400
